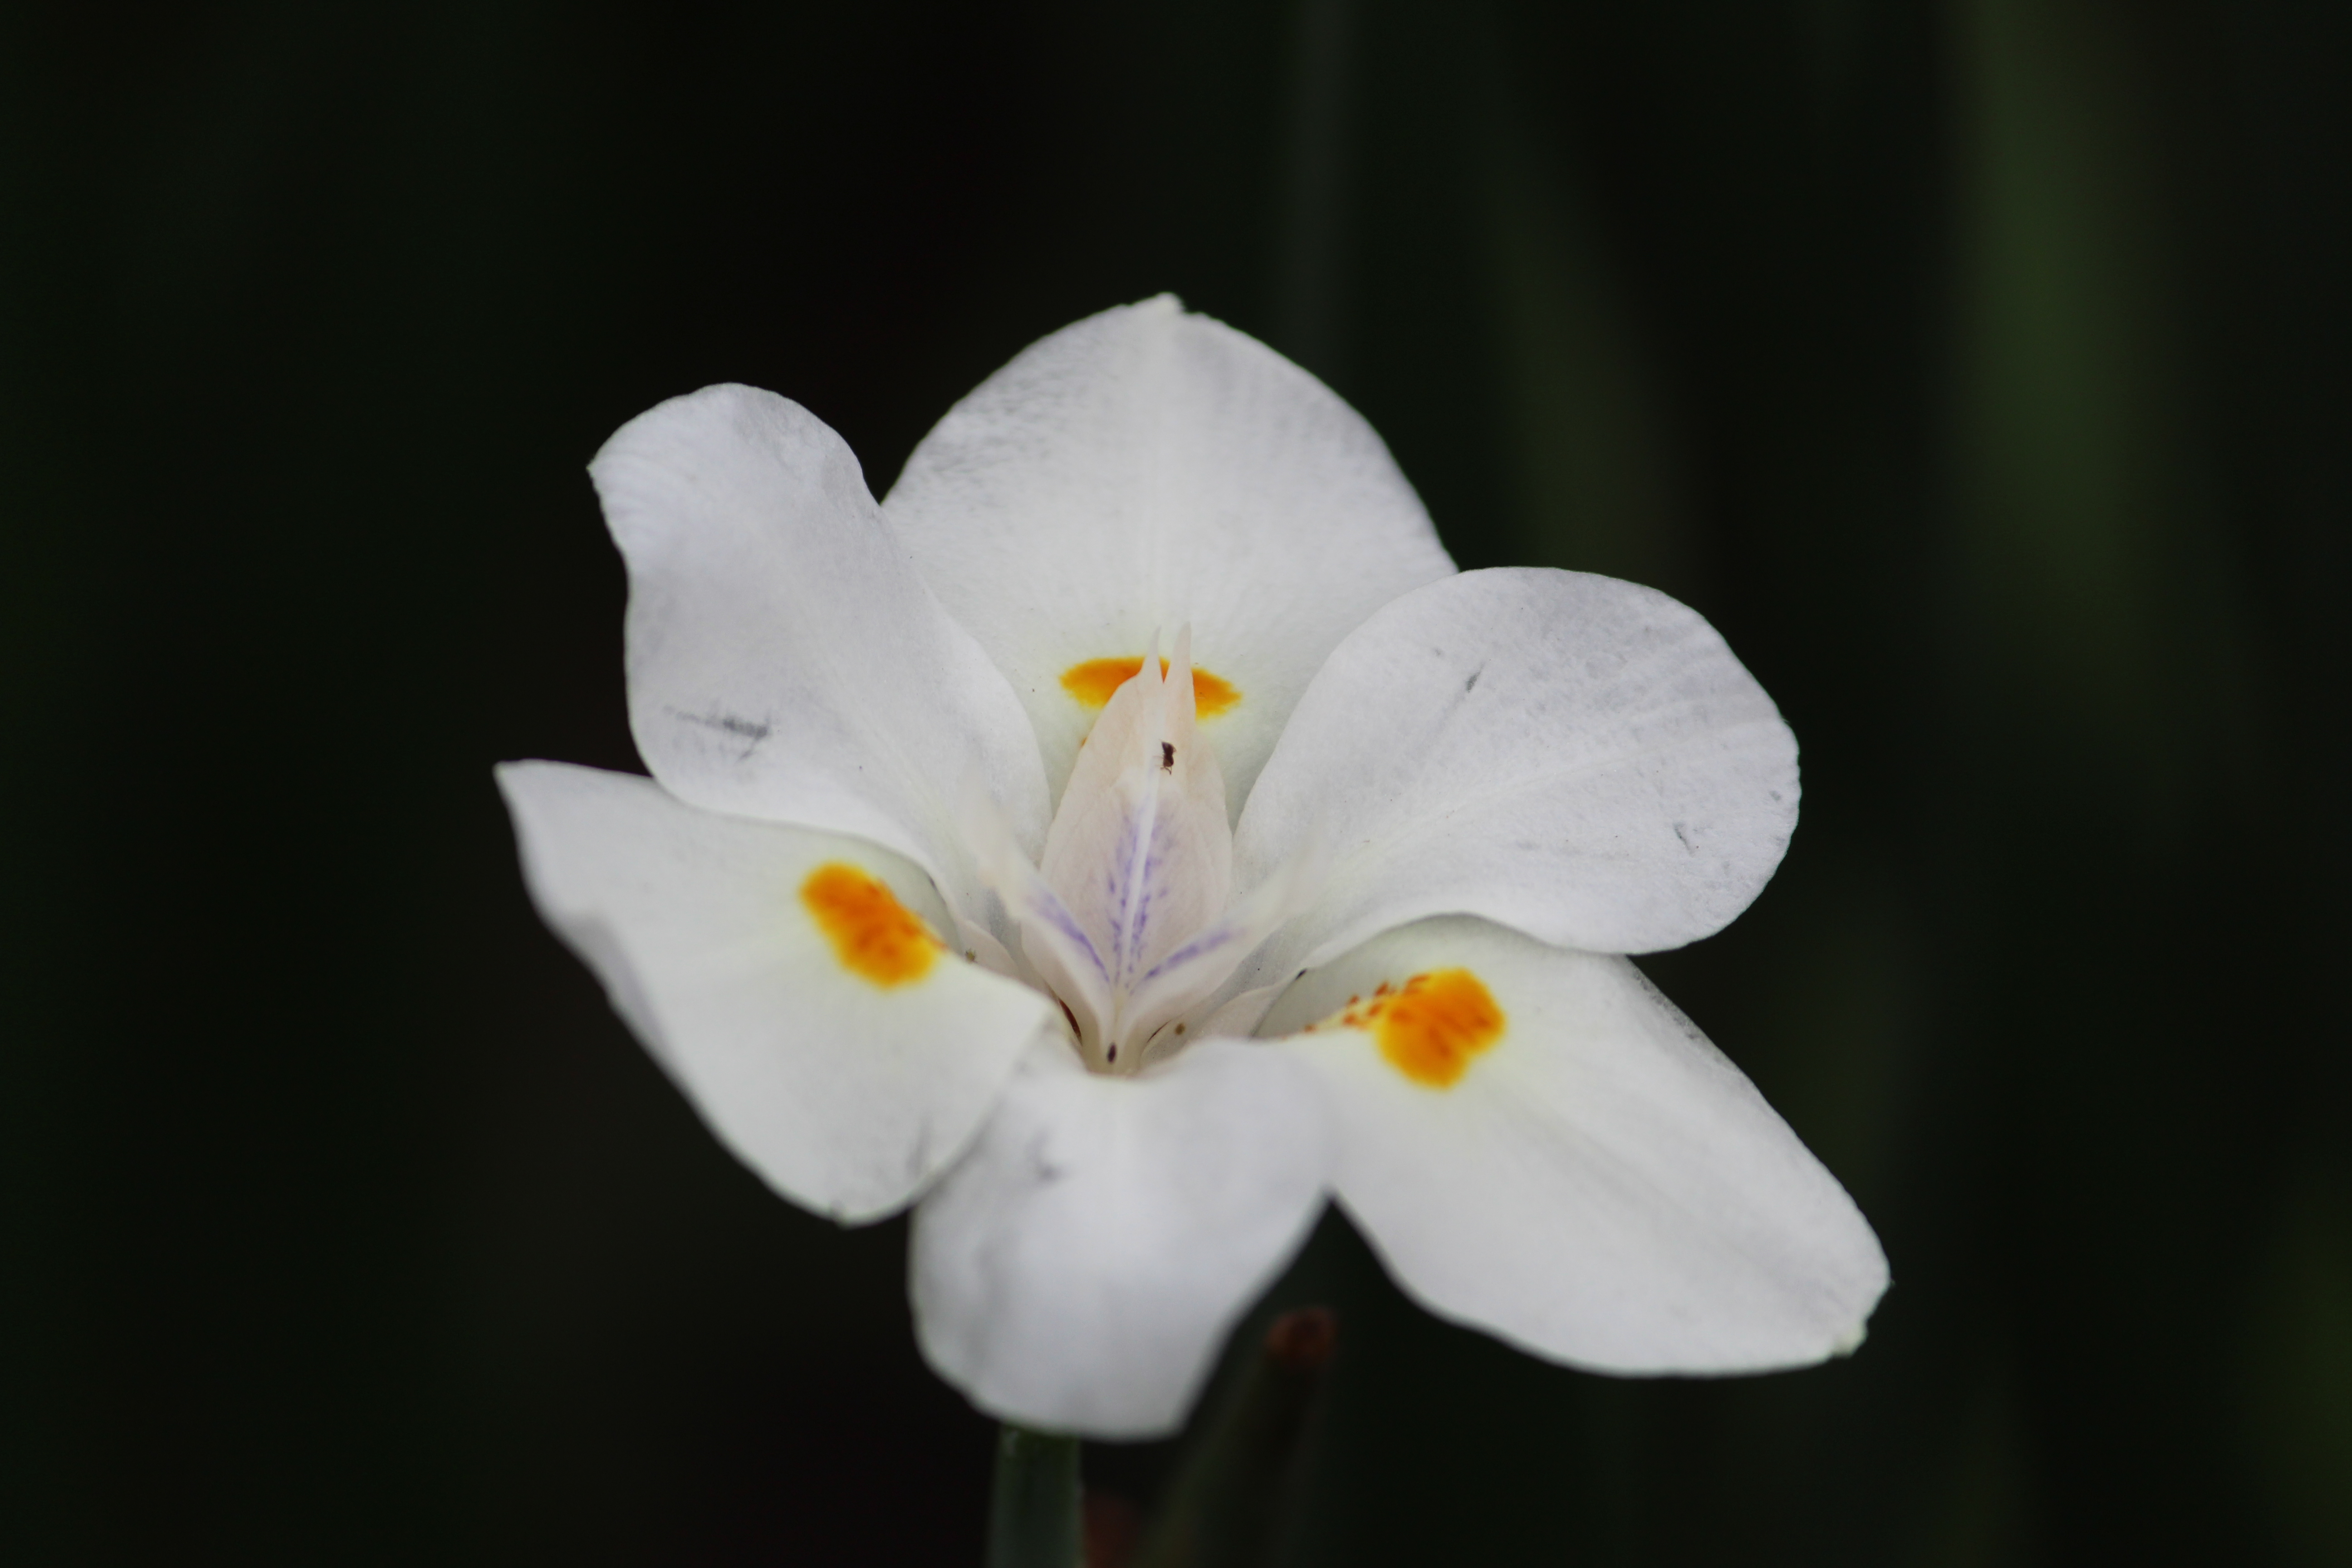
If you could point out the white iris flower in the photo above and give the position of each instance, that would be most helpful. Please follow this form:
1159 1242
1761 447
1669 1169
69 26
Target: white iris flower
950 888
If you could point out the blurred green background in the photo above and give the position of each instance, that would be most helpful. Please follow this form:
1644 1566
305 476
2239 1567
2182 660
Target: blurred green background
1979 367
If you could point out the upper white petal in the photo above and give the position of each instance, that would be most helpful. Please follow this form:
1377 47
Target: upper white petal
1600 1187
784 658
1080 1268
1578 757
1144 469
846 1096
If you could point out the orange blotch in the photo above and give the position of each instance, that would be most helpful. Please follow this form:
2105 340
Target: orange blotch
1094 682
875 937
1432 1027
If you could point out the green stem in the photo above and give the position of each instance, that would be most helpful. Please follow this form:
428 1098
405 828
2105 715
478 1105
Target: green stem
1226 1507
1033 1518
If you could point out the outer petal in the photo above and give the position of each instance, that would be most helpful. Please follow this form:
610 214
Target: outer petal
848 1095
1080 1268
784 659
1599 1185
1144 469
1578 757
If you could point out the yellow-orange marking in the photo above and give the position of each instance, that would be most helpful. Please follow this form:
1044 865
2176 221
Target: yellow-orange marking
1094 682
1431 1027
875 937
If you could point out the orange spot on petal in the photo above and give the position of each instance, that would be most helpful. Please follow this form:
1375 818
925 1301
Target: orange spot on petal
1431 1027
1094 682
875 937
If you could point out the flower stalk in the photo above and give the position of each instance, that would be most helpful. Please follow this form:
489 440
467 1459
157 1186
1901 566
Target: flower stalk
1227 1507
1033 1516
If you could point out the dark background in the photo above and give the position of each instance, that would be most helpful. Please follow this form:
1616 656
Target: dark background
1980 368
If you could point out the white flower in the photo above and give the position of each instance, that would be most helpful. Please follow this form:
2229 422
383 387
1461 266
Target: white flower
941 889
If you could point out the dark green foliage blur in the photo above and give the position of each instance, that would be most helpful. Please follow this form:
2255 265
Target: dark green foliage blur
1980 368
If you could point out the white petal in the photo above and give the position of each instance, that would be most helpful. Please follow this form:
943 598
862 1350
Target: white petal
1079 1270
784 659
845 1094
1599 1185
1580 758
1144 469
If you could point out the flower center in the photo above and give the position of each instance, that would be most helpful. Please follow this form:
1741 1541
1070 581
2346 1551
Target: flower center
1140 855
1130 920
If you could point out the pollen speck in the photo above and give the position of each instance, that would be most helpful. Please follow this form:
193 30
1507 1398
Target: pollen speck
875 936
1431 1027
1093 682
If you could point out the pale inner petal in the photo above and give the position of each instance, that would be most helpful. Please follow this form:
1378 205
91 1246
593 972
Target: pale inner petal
1140 853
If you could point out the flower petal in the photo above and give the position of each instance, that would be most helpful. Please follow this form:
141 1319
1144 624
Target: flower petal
1580 758
1570 1164
784 659
1144 469
1080 1268
826 1040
